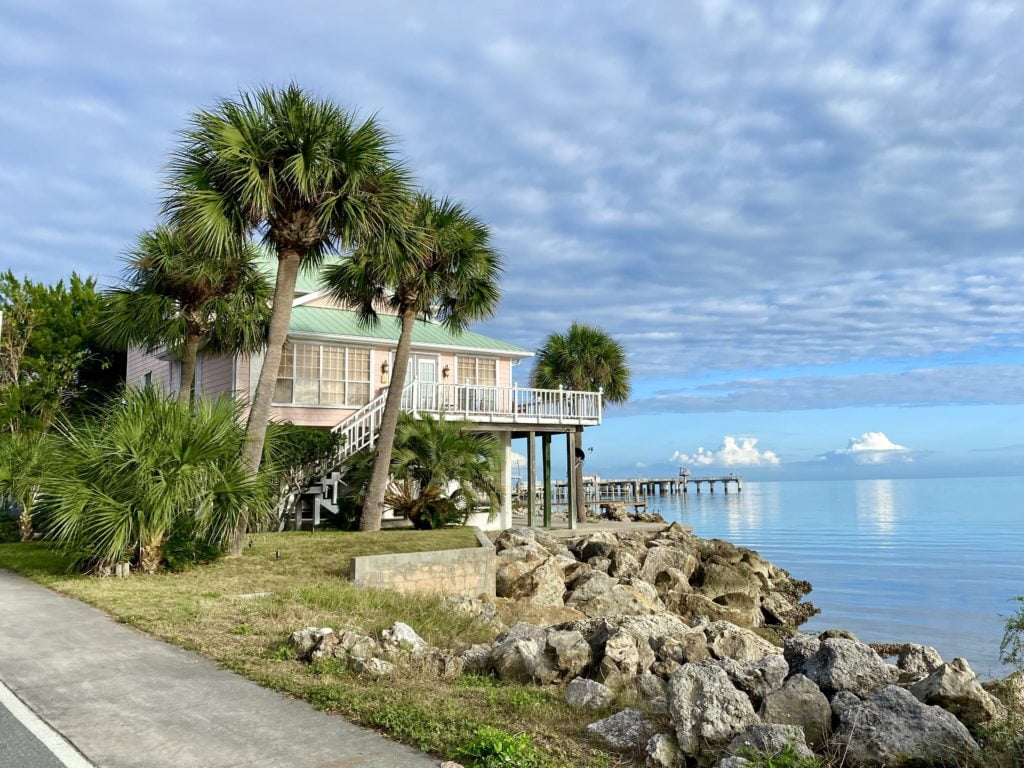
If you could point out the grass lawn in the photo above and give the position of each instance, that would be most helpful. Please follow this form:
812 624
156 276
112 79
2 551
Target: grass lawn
216 611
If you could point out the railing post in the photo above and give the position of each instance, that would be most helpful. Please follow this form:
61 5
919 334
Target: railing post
600 404
561 403
515 401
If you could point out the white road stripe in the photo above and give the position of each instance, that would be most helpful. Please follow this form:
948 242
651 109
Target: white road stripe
53 741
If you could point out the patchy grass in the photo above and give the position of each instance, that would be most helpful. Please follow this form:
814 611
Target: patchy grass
238 612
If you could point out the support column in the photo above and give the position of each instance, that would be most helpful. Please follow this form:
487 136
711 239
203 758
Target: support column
531 479
581 494
505 514
545 446
570 478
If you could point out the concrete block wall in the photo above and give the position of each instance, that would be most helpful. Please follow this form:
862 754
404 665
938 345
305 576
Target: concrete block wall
468 572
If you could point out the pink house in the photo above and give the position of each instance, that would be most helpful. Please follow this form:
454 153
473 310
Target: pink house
336 372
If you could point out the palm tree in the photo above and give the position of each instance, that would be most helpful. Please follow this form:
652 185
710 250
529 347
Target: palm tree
442 471
148 466
303 173
585 359
442 267
24 459
185 299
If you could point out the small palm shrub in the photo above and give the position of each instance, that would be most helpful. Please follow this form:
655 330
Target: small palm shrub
440 471
24 457
145 471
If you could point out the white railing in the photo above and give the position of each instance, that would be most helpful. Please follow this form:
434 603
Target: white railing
498 405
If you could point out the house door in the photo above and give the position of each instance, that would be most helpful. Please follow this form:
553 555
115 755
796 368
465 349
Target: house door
422 368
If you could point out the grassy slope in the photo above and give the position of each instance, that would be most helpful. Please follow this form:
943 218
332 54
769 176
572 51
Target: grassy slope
212 611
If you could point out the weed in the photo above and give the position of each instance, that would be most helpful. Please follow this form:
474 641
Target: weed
495 748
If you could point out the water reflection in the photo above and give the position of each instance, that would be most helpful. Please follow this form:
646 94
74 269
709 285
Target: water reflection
876 505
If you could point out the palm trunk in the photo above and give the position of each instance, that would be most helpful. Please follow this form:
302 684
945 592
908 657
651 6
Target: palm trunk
259 410
25 524
186 392
151 554
373 506
581 505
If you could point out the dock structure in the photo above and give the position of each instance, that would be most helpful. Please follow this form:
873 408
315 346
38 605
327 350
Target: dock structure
640 487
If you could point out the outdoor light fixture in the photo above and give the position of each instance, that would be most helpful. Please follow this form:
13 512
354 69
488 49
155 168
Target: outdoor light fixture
445 371
384 372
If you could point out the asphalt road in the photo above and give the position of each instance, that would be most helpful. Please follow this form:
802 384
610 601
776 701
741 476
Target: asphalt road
19 748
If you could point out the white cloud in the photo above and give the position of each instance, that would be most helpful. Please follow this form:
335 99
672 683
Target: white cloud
871 448
733 452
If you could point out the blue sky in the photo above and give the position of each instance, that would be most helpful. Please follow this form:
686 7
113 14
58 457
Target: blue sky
804 220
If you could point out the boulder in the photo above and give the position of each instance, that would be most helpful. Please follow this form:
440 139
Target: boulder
372 667
438 663
733 762
620 600
689 646
708 711
602 564
842 701
601 544
663 752
403 638
770 738
845 665
716 579
798 650
624 656
659 560
758 678
522 661
588 694
916 662
627 730
570 651
693 605
800 702
541 582
955 688
728 641
346 644
842 634
476 660
514 537
590 585
512 611
893 729
304 641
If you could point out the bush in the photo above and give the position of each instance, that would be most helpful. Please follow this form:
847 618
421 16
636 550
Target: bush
1011 649
494 748
148 469
294 457
9 530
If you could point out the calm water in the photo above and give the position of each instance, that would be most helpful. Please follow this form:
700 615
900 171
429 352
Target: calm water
930 561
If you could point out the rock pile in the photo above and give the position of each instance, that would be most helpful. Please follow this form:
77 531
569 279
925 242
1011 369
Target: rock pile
636 573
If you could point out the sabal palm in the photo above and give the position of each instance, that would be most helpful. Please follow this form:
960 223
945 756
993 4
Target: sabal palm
24 460
305 174
585 359
441 470
125 480
177 296
440 267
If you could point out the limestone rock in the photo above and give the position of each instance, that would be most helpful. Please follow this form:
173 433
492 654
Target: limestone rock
800 702
663 752
758 678
346 644
916 662
770 738
541 582
590 585
955 688
842 701
304 641
728 641
570 650
403 637
601 544
620 600
476 659
438 663
689 646
845 665
894 729
373 667
733 762
842 634
522 661
798 650
588 694
515 537
659 560
629 729
706 709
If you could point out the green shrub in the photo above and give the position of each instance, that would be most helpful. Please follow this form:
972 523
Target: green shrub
1011 649
145 469
294 457
9 531
187 547
494 748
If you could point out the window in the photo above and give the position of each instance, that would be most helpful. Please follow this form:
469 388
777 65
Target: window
478 371
320 374
147 380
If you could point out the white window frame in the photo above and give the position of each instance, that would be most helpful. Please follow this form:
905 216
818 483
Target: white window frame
320 375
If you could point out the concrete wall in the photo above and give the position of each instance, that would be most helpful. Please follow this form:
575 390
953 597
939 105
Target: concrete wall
468 572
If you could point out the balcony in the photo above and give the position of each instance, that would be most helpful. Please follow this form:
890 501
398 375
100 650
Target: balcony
504 405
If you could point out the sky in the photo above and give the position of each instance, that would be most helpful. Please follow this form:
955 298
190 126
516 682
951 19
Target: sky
804 221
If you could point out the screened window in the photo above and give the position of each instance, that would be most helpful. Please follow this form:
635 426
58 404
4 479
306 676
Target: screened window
321 374
478 371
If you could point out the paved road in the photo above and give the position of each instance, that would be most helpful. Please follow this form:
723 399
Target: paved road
19 748
126 700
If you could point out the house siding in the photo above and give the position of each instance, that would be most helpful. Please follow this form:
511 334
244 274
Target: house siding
216 375
140 362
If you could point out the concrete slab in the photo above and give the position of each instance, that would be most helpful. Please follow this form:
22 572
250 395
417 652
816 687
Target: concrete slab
126 700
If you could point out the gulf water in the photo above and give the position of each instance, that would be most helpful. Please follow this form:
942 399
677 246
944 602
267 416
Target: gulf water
929 561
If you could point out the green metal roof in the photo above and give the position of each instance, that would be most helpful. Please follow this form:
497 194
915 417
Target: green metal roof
327 321
308 279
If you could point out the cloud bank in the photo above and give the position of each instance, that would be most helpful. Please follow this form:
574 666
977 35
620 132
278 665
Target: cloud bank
733 452
871 448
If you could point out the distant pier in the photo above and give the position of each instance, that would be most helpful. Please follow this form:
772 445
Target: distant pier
639 487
